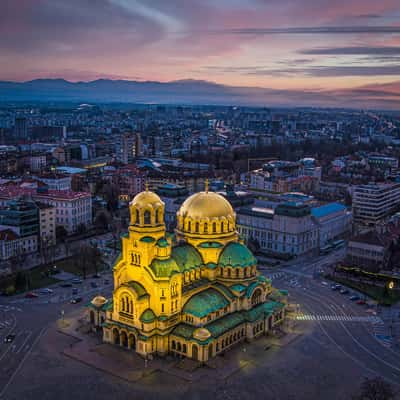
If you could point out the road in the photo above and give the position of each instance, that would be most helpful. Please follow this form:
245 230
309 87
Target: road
28 320
359 332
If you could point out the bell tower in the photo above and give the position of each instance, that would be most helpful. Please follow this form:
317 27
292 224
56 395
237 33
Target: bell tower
146 227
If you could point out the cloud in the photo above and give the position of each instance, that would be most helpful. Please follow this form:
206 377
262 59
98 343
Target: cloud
353 50
313 30
331 71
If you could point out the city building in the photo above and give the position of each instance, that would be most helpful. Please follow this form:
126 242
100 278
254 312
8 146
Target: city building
128 147
72 209
369 251
194 294
21 128
375 202
334 220
287 230
47 224
13 245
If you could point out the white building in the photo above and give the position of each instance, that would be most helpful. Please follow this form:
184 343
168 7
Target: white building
375 202
13 245
71 208
289 229
333 220
293 228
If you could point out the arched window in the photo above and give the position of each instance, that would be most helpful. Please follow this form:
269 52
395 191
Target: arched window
222 227
205 227
214 227
173 345
256 297
137 217
184 348
197 227
178 346
229 272
189 226
157 217
147 218
237 272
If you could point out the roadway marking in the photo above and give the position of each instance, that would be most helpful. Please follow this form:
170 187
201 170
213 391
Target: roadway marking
23 344
22 362
341 318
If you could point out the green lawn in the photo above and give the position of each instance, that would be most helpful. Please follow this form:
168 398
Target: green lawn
378 293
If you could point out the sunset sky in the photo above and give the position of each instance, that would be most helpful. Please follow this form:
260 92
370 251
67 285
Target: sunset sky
279 44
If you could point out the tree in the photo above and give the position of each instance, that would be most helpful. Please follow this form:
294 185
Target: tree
102 220
88 258
375 389
61 233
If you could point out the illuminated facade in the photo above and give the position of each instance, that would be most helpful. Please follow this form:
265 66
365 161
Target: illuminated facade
195 293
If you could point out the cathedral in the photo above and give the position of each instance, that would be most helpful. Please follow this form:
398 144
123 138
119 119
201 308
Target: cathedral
195 293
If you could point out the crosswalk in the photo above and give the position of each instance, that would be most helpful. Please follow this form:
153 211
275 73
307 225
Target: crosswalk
382 334
276 275
339 318
5 324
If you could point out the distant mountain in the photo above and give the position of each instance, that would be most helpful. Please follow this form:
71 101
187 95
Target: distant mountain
194 92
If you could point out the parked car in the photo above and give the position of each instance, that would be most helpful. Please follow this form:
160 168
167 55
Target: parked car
344 291
93 284
324 283
354 297
74 290
76 281
46 291
361 302
334 287
31 295
96 276
76 300
9 338
66 284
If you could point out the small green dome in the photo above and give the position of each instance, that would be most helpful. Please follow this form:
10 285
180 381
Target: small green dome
236 255
162 242
164 268
147 316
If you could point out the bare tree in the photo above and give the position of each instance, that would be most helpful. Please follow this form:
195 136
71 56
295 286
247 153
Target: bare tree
375 389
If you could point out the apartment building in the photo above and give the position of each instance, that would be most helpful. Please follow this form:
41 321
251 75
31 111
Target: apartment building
375 202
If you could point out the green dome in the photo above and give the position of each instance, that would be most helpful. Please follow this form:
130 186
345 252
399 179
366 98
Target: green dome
148 316
186 256
236 255
164 268
162 242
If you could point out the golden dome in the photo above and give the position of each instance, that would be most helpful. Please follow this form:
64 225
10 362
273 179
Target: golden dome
206 205
99 301
146 198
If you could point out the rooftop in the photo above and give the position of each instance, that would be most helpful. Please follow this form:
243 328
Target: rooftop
327 209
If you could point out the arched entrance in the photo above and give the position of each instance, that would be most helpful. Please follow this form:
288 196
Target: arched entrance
115 336
256 297
132 341
123 339
195 352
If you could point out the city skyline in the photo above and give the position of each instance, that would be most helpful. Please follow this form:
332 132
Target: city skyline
291 46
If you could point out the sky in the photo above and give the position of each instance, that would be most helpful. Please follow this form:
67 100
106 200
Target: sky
278 44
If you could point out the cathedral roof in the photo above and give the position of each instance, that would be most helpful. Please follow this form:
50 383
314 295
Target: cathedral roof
164 268
205 302
137 287
147 316
236 255
204 205
186 256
